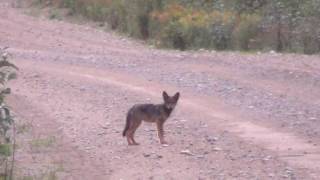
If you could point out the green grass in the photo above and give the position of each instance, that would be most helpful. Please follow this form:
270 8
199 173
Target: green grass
55 14
27 178
46 175
52 175
43 143
5 149
23 128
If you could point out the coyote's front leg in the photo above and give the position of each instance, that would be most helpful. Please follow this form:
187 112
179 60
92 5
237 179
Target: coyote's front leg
161 132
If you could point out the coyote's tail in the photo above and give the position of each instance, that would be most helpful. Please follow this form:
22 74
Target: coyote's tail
127 125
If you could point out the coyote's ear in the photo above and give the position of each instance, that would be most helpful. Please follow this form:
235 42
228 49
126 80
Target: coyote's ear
165 95
176 96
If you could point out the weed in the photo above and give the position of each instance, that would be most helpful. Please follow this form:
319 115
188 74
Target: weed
42 143
55 14
5 149
23 128
27 178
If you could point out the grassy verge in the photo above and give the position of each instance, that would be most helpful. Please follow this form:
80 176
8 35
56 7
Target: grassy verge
219 25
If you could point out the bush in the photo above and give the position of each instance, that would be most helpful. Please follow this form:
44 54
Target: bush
6 120
246 31
181 28
209 24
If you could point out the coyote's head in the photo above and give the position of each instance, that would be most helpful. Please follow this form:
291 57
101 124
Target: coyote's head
170 101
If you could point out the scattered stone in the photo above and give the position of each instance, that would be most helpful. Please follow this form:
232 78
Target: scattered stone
102 133
272 52
82 89
116 131
285 176
212 139
146 155
217 149
105 127
200 156
152 155
117 157
204 126
186 152
206 152
267 158
313 118
271 175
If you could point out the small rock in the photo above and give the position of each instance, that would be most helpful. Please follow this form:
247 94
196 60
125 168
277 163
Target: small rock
117 157
271 175
272 52
217 149
285 176
82 89
267 158
146 155
186 152
105 127
206 152
212 139
102 133
289 169
200 156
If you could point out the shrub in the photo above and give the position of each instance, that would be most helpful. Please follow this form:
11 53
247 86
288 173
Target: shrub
218 24
6 120
246 31
182 28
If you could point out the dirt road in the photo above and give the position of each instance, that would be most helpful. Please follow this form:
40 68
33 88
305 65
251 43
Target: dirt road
241 116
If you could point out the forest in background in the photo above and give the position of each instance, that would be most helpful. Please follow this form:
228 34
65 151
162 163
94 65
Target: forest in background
247 25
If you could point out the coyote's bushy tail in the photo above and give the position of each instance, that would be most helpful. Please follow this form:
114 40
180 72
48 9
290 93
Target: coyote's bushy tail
127 125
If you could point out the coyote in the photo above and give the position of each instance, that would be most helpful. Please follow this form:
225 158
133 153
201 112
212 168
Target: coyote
156 113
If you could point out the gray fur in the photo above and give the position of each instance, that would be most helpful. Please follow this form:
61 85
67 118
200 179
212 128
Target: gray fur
154 113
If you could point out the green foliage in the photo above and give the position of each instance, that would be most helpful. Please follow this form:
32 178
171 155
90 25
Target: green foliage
69 4
5 149
246 31
181 28
27 178
54 14
42 143
6 120
218 24
5 75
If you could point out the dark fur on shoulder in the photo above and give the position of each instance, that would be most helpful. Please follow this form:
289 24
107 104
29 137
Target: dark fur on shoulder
155 113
